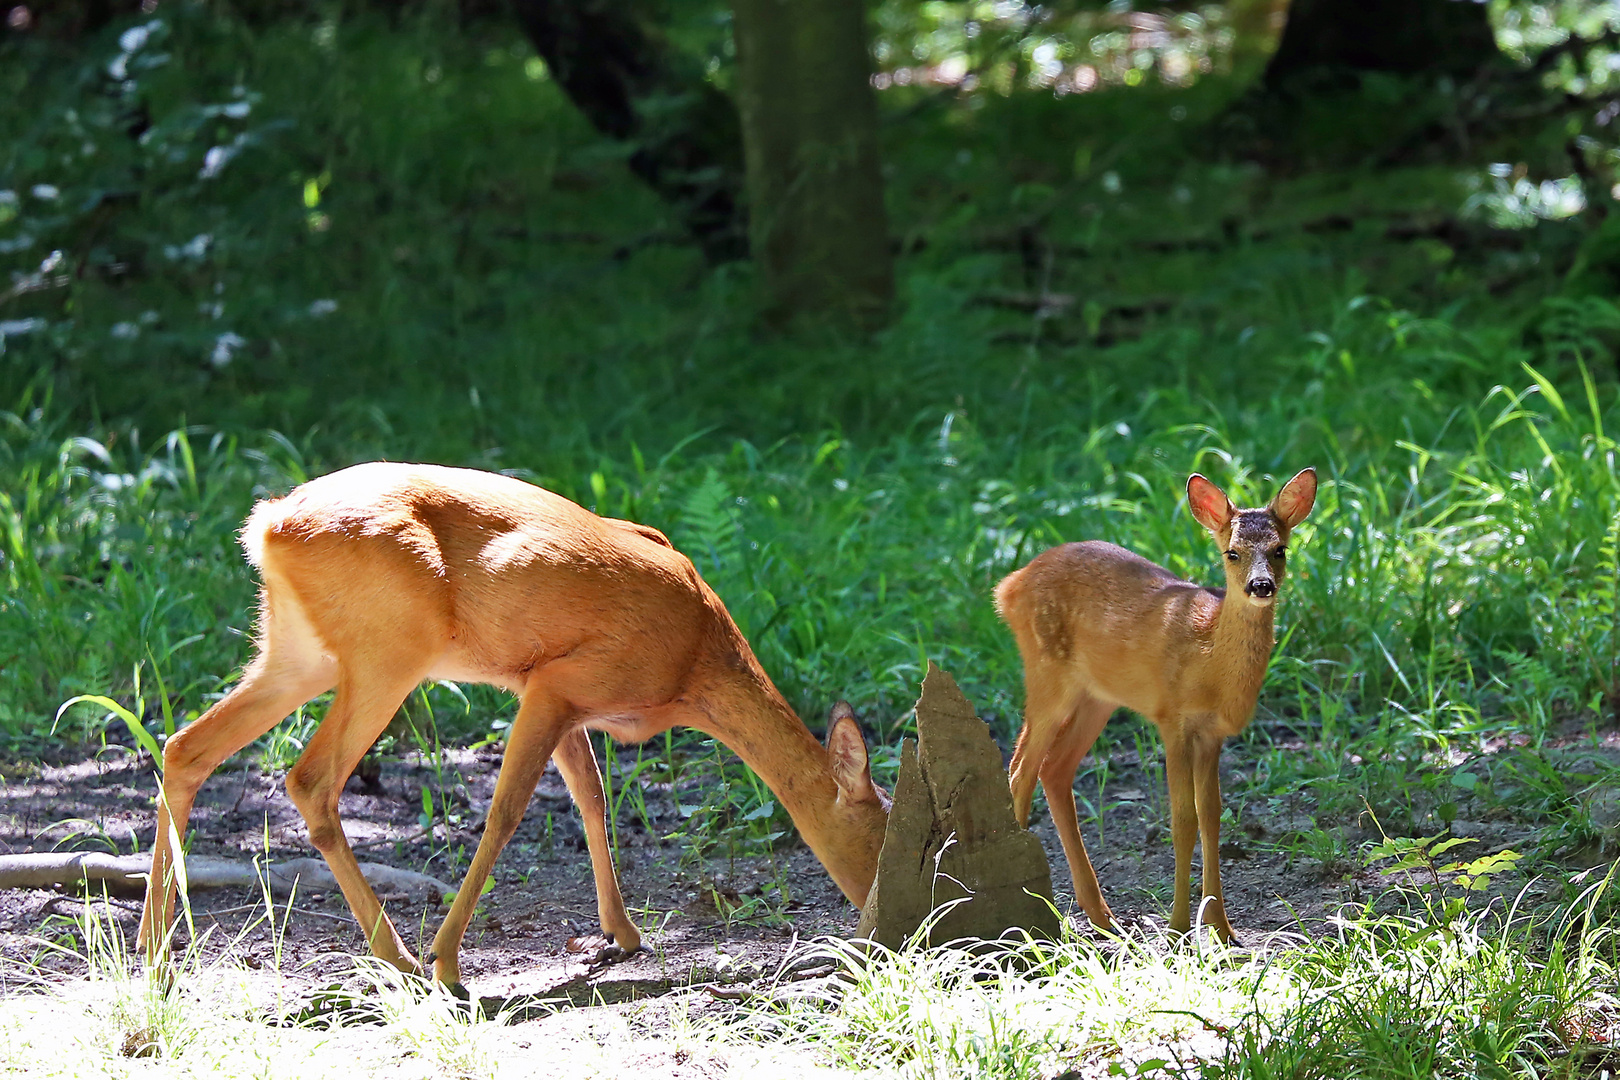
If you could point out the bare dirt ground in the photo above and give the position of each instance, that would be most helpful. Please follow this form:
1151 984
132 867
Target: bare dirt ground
704 920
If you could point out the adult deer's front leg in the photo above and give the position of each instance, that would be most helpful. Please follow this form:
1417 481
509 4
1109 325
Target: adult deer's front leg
541 722
1207 784
577 762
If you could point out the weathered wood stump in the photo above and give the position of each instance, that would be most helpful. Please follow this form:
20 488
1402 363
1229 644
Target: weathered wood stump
952 837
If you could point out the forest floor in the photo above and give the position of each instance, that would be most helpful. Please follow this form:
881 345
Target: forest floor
720 919
720 932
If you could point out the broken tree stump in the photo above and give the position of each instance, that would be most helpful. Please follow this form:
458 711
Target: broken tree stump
952 836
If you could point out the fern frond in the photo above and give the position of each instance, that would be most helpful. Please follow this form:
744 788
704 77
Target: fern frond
710 531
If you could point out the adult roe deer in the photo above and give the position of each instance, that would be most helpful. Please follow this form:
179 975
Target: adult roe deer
1099 627
380 576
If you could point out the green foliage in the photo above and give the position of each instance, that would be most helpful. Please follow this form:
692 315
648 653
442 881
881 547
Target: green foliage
1408 855
121 557
398 240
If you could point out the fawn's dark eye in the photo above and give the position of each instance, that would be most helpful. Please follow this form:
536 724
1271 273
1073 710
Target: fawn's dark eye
1280 553
1231 556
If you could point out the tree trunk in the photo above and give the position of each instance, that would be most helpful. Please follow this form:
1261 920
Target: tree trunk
1335 38
634 86
818 230
1256 27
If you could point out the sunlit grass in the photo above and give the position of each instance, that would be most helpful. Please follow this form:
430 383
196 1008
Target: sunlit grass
1442 594
1378 996
85 1007
1433 991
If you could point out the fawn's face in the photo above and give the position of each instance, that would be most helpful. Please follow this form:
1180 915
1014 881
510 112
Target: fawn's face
1254 542
1256 554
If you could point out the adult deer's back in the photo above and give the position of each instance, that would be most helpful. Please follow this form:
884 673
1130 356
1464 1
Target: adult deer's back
380 576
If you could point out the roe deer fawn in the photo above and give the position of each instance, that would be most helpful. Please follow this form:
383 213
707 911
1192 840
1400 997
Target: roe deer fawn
383 575
1099 627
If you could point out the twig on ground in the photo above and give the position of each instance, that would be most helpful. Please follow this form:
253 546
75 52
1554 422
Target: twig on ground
385 842
243 908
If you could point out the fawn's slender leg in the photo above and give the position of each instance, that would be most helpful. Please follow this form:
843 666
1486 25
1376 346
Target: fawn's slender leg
1072 744
1048 704
1178 771
367 698
536 732
1207 785
577 762
275 684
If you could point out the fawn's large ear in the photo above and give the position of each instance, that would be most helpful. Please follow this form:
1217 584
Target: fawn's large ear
846 752
1296 498
1209 505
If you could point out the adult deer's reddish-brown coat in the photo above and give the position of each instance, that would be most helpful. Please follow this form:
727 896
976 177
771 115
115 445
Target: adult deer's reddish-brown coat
1099 627
383 575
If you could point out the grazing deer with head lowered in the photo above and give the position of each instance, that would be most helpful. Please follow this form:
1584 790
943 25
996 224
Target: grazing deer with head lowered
380 576
1099 627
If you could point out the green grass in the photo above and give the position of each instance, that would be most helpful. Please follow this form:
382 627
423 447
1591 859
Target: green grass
1380 996
415 249
1496 994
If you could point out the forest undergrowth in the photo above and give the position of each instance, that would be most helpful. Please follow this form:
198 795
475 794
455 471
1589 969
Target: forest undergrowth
241 257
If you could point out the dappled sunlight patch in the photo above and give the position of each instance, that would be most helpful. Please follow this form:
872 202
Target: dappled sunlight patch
1034 1010
216 1018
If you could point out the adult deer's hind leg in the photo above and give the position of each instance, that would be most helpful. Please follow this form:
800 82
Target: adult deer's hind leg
288 672
577 762
1063 759
368 696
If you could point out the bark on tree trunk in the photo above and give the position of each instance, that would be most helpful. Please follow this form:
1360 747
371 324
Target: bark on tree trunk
818 229
1402 37
632 85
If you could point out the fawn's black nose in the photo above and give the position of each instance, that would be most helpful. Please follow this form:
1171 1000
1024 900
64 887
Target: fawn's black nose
1261 587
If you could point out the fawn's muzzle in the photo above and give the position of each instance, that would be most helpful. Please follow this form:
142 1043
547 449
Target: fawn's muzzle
1260 588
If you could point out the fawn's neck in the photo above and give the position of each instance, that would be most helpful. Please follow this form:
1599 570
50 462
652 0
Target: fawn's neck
1241 649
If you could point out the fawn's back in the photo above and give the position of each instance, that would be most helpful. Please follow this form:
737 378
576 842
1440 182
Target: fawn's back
1093 615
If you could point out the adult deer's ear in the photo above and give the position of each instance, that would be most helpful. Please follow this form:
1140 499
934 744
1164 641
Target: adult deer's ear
1296 498
846 752
1209 505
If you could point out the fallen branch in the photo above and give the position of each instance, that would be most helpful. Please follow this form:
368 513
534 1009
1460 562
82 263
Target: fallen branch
129 872
243 909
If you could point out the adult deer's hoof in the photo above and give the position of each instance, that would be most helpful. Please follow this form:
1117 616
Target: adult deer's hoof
599 950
